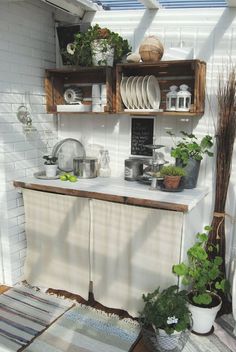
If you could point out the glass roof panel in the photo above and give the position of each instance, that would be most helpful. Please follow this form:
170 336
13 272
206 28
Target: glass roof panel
173 4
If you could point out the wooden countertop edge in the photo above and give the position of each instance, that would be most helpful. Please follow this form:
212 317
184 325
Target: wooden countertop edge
149 203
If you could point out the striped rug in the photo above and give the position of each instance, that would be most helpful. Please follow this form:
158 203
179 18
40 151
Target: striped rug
24 313
85 329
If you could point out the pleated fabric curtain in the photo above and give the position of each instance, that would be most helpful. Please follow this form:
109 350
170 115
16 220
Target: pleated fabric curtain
57 230
134 249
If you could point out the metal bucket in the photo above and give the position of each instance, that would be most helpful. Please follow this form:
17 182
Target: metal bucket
85 167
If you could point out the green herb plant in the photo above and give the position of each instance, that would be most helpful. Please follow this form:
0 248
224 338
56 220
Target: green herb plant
190 147
166 310
172 170
202 274
79 52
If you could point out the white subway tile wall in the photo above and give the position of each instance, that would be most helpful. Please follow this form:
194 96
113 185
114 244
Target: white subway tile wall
27 47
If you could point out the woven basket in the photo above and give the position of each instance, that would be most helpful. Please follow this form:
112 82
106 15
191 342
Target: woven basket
151 49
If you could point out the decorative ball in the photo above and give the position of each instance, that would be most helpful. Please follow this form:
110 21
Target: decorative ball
151 49
133 57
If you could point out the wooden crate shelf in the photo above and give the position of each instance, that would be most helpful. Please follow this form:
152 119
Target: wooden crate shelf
57 80
190 72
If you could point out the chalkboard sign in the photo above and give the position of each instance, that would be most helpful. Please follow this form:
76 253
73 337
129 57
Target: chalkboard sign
141 134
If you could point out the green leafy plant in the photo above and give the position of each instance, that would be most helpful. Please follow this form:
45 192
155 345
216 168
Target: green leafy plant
79 52
172 170
50 160
189 147
166 310
202 274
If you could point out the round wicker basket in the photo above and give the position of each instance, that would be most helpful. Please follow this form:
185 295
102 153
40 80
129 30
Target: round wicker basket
151 49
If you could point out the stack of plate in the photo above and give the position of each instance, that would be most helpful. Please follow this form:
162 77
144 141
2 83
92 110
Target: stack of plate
140 93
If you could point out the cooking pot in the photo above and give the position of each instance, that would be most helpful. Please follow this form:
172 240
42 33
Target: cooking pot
85 167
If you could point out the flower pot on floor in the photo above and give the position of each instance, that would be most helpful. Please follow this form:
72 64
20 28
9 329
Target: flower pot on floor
204 317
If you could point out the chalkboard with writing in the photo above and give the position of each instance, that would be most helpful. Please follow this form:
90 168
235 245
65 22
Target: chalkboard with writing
141 134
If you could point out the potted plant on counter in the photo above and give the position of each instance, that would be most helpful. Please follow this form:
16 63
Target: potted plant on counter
50 165
97 47
168 315
172 176
203 277
189 152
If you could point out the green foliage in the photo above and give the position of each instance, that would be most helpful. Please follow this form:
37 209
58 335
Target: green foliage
50 160
80 52
166 310
189 147
201 273
172 170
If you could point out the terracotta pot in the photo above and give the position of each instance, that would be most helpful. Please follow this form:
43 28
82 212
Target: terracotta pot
171 182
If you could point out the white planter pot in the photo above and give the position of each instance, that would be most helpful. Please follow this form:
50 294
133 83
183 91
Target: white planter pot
50 170
203 318
167 342
102 53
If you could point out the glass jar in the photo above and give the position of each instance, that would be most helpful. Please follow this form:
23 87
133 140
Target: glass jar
104 170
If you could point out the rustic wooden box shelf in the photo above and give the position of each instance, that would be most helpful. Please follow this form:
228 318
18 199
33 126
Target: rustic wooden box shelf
57 80
190 72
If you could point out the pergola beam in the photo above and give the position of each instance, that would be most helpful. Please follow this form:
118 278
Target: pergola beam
231 3
150 4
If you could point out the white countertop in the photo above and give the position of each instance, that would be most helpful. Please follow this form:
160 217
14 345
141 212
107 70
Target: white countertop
118 187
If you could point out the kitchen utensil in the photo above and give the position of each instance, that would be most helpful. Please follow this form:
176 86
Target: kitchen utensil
133 168
85 167
66 150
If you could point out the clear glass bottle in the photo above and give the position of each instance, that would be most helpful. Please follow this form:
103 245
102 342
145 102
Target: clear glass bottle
104 170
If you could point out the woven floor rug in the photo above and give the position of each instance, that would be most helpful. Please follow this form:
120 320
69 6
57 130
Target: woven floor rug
24 313
85 329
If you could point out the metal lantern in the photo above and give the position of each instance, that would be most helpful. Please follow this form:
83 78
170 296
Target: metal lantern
171 99
183 99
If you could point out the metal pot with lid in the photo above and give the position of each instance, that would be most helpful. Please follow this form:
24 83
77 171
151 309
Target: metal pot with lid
85 167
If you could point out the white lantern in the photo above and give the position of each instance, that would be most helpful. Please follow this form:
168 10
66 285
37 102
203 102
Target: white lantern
183 99
171 99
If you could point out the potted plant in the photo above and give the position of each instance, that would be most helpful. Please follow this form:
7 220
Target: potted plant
97 47
189 152
172 176
203 277
167 314
50 165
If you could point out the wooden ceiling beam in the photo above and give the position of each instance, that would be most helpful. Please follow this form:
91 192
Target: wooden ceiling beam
150 4
231 3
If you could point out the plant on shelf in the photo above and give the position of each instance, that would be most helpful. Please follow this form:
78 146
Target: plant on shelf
50 160
81 51
189 152
172 176
50 165
167 313
203 277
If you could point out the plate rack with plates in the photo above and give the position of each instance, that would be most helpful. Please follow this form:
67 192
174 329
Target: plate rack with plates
140 93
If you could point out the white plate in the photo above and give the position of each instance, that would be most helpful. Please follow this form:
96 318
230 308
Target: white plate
128 92
42 175
153 92
144 93
123 91
133 92
139 96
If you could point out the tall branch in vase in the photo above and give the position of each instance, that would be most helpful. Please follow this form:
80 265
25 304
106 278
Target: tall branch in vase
225 137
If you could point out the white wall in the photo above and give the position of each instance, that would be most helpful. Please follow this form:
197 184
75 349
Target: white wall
27 47
212 33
